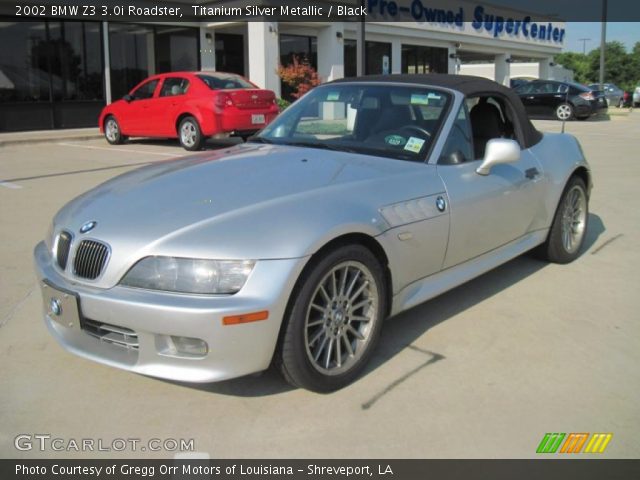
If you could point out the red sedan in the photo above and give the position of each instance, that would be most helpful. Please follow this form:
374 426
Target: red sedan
190 106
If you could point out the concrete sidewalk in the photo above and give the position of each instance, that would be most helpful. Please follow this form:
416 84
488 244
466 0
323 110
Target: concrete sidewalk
40 136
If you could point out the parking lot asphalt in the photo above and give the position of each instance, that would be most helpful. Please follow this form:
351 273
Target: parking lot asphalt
483 371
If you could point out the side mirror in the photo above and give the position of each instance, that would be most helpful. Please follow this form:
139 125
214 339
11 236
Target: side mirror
497 151
127 98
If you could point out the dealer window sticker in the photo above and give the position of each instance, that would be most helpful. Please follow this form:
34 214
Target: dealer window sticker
414 144
333 96
419 99
395 140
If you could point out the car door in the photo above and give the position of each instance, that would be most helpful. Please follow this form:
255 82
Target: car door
164 110
527 97
136 113
548 98
489 211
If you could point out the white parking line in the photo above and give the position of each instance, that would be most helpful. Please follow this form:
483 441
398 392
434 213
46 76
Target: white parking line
13 186
117 149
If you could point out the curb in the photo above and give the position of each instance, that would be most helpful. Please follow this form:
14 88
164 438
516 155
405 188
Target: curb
22 141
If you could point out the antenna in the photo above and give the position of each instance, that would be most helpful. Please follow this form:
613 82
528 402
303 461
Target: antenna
566 100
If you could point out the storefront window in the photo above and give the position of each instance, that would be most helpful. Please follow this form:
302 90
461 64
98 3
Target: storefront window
229 53
378 58
138 51
23 68
51 74
176 49
76 60
350 58
304 48
420 59
131 53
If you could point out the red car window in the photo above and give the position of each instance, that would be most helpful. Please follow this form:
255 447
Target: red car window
173 86
219 81
145 90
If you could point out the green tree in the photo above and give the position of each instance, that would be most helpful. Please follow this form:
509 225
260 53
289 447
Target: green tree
621 67
618 68
577 62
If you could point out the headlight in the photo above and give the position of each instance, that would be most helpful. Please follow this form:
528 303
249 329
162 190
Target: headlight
189 275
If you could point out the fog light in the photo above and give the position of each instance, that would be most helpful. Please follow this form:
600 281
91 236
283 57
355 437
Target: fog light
173 346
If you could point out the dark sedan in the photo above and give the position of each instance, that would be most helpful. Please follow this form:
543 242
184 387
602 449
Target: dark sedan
562 100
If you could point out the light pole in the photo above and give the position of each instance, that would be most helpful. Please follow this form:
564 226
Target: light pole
584 44
603 42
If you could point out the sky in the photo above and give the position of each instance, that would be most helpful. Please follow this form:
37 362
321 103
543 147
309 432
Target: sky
626 32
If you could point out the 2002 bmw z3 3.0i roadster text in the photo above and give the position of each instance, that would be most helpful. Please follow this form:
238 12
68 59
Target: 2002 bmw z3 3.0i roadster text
364 198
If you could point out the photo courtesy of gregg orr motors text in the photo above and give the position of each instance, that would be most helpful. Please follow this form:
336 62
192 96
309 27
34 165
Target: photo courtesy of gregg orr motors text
44 442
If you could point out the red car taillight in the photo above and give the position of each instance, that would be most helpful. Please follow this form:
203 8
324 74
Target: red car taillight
223 100
588 96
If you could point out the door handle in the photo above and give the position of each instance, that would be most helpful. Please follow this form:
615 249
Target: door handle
531 173
530 98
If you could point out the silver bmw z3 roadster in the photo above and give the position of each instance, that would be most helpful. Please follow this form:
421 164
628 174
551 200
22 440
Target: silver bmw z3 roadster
366 197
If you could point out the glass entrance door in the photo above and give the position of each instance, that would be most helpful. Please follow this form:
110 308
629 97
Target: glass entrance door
421 59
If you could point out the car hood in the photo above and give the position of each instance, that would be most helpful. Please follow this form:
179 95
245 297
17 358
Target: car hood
146 210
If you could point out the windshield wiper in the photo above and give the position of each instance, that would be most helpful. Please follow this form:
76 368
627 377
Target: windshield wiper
257 139
324 146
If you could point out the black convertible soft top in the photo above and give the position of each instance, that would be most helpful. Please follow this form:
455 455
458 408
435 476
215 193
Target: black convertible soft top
468 85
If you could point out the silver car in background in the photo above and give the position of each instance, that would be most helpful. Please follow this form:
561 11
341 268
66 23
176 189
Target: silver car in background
365 198
613 94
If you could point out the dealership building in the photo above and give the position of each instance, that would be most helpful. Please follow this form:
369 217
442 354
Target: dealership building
59 73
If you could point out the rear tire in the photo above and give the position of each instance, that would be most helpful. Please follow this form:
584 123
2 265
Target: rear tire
190 134
112 132
334 320
570 223
564 112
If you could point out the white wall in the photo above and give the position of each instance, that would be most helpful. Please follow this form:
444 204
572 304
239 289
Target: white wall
518 70
264 55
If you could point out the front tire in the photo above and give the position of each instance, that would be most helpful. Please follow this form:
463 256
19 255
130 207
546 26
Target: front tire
334 320
569 227
190 134
112 132
564 112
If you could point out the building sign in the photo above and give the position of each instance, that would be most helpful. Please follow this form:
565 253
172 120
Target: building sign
489 21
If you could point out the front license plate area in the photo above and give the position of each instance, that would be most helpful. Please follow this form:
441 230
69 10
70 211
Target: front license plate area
257 119
60 305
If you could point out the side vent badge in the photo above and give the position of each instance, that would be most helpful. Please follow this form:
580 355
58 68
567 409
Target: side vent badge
441 204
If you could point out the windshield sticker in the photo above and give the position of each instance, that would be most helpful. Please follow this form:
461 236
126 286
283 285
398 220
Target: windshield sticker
333 96
414 144
434 96
419 99
395 140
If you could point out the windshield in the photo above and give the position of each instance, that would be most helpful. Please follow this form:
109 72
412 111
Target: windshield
224 81
392 121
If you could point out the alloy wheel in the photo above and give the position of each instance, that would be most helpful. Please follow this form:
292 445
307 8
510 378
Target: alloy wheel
574 219
188 134
340 318
112 130
564 112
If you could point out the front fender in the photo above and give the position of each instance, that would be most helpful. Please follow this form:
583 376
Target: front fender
560 156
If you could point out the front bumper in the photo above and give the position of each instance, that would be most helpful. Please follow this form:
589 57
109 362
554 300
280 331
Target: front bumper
233 350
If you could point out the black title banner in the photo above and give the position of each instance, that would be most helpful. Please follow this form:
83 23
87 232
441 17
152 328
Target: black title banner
444 12
543 469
